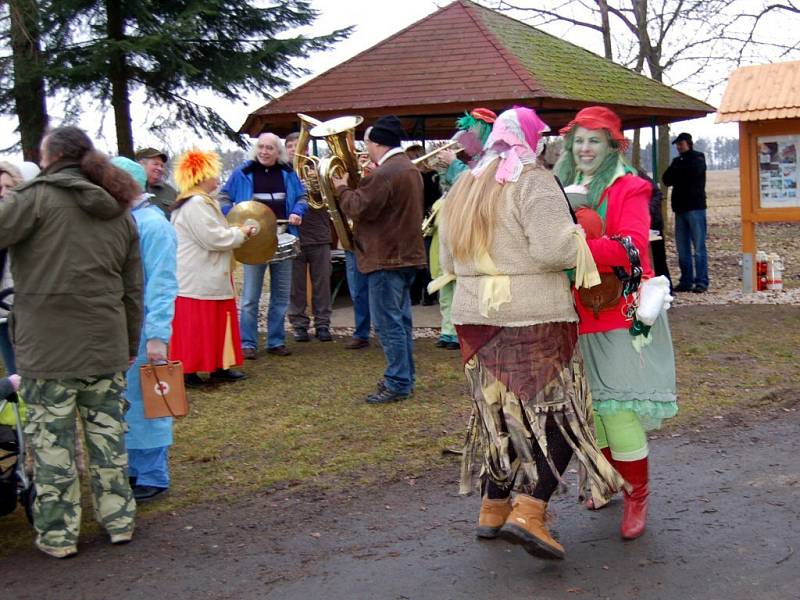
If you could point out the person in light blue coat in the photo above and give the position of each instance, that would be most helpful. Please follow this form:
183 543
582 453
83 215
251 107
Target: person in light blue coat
148 440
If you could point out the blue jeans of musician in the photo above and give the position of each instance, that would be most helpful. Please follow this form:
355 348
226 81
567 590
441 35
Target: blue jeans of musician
280 284
390 307
359 293
690 239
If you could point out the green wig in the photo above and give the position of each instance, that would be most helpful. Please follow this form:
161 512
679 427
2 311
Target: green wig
481 128
567 172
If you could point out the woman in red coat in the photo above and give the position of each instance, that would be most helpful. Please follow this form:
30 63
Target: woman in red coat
631 368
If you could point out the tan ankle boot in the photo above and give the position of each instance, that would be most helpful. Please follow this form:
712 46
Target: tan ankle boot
492 516
526 526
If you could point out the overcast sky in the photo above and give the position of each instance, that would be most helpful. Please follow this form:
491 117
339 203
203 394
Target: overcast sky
375 20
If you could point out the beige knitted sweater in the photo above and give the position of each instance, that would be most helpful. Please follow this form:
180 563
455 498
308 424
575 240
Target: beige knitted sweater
534 242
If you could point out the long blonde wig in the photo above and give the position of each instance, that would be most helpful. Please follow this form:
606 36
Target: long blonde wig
469 212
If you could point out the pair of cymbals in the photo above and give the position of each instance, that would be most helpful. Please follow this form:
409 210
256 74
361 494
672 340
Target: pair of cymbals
261 246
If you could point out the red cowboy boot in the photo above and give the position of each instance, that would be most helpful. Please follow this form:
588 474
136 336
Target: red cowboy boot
634 514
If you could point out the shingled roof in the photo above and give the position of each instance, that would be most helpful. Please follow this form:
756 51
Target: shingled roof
762 92
465 55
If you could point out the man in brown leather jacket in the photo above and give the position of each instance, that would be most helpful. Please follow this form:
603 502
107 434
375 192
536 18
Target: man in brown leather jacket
387 211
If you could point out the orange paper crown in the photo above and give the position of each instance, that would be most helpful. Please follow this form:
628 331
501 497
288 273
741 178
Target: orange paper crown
195 166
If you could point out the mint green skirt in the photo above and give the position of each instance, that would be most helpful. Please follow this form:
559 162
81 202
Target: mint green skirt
632 373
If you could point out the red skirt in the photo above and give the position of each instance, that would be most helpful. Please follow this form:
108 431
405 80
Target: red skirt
205 335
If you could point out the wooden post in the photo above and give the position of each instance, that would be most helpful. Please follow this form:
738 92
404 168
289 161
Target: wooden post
747 172
654 151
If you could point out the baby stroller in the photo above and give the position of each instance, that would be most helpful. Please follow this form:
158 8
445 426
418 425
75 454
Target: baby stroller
15 484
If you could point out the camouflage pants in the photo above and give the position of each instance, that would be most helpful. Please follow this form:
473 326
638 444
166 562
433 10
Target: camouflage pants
50 432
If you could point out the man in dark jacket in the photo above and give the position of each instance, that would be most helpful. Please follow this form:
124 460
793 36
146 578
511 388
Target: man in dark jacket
687 177
387 211
658 251
75 324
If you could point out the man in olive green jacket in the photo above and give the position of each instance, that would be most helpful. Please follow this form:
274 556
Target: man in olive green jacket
75 323
77 277
154 162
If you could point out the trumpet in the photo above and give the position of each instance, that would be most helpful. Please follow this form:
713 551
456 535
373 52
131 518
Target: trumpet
451 144
429 222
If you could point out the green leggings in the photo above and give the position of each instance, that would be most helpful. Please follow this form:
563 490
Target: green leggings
623 433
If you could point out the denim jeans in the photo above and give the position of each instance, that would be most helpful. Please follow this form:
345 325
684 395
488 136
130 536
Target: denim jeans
7 350
390 307
690 239
280 284
359 293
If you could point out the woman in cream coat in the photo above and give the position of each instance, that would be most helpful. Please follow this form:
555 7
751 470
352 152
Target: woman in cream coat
205 332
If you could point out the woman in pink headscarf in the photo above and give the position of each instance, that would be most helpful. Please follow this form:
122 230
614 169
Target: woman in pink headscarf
508 237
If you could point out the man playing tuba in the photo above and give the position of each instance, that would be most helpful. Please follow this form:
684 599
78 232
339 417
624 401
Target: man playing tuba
315 256
387 206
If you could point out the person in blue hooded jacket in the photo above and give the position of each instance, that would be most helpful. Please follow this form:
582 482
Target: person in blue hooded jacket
268 178
148 440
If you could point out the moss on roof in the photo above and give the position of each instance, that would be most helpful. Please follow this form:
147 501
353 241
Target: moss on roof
561 68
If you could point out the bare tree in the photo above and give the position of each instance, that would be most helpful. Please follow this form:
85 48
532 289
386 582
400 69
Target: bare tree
679 41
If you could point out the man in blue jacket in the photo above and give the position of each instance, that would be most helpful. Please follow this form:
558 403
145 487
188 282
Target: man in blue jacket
269 179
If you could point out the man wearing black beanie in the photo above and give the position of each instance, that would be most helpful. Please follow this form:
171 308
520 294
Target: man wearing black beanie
386 209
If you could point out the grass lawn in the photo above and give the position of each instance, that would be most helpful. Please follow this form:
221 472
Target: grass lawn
301 420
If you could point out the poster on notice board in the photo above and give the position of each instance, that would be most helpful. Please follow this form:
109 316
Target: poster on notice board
777 171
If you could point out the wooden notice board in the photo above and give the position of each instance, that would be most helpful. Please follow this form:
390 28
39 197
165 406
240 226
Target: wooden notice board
769 164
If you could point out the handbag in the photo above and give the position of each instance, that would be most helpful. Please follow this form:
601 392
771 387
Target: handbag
163 391
602 296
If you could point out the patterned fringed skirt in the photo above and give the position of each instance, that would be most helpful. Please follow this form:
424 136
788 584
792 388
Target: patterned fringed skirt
519 377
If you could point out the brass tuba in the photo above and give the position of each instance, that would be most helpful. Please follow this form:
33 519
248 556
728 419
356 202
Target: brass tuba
339 134
304 164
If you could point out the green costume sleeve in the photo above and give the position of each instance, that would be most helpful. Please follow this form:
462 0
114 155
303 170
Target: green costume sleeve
453 171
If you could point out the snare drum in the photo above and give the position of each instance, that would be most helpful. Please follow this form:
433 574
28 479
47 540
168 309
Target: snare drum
288 247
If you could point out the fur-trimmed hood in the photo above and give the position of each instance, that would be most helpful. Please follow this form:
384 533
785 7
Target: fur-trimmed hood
91 198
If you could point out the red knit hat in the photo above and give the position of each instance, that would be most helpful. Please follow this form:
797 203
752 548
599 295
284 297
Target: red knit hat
599 117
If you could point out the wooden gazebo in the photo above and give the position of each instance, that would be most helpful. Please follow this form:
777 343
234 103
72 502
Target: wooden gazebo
465 55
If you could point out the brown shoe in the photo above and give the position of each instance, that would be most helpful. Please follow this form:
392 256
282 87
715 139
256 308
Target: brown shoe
279 351
249 353
526 526
492 516
356 344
